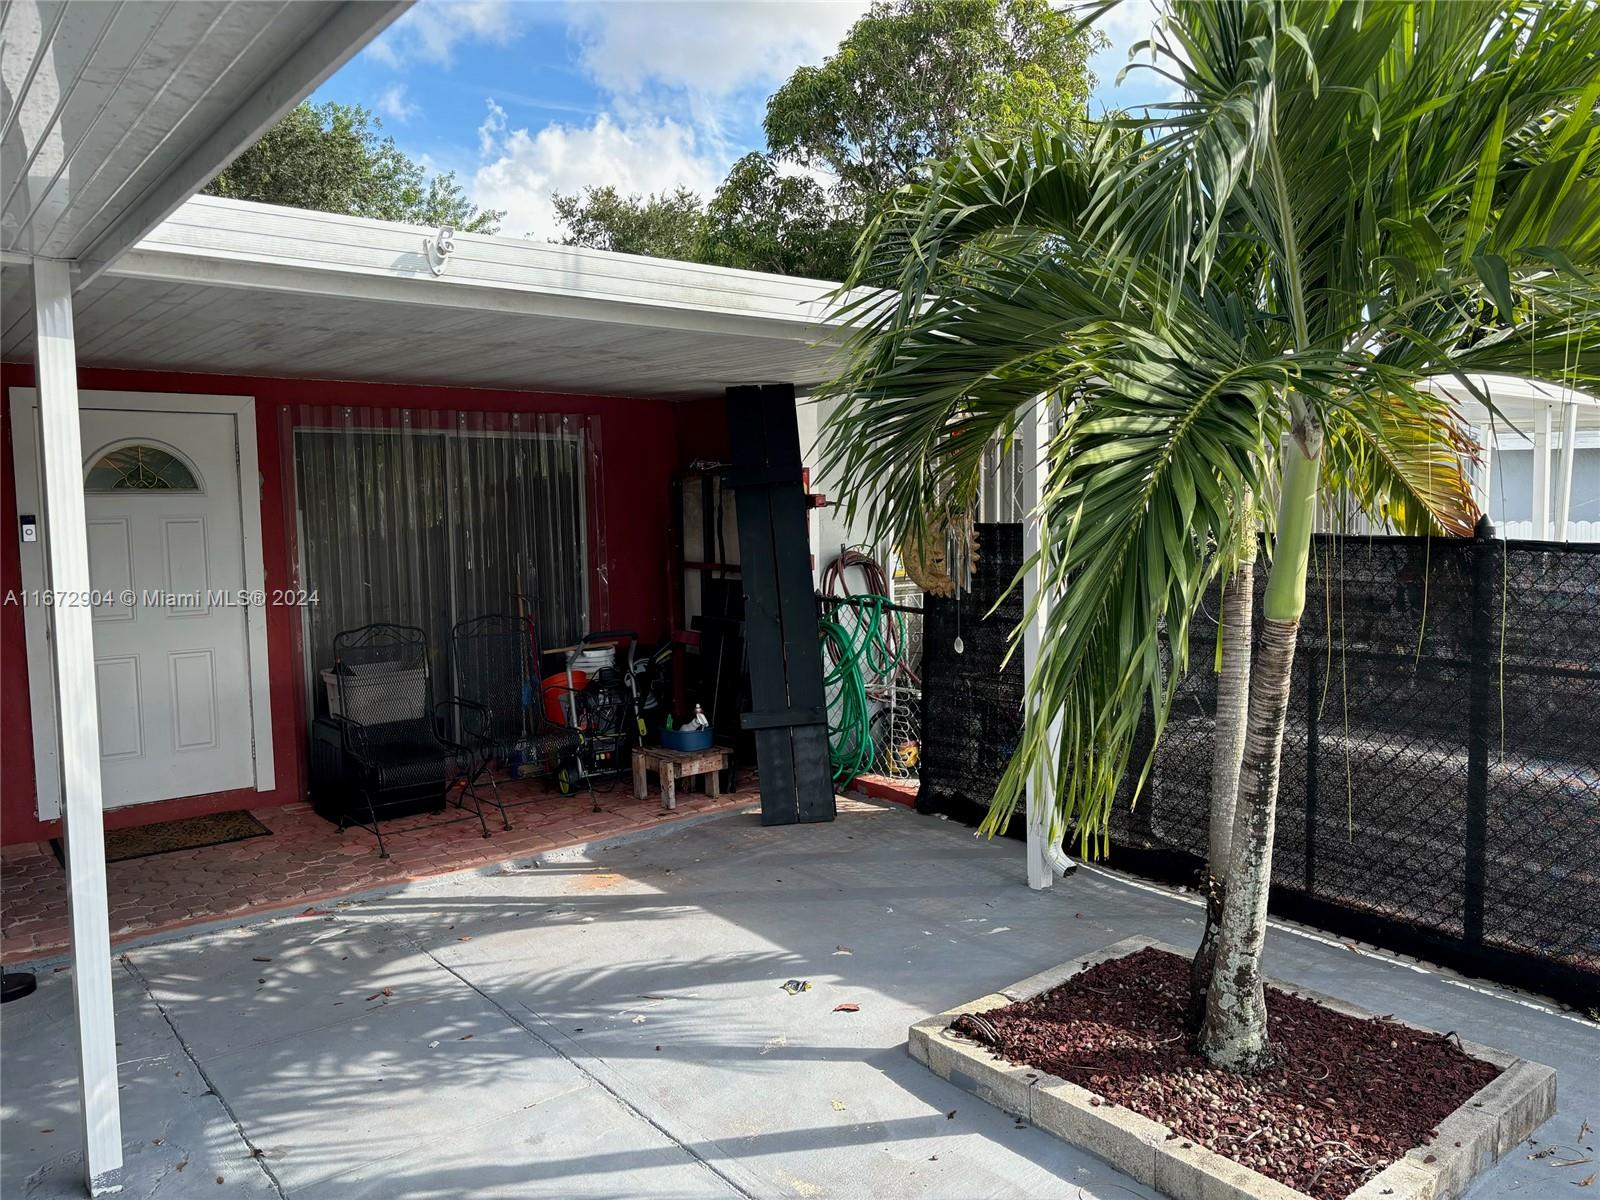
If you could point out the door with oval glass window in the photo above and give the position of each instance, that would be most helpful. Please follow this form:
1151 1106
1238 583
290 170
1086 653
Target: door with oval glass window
166 564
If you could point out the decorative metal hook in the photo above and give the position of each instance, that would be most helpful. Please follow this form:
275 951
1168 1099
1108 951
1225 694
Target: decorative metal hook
438 250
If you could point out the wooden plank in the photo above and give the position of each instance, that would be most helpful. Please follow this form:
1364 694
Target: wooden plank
780 612
814 795
769 691
784 718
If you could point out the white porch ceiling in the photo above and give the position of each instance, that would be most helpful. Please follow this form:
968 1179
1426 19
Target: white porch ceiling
116 111
234 288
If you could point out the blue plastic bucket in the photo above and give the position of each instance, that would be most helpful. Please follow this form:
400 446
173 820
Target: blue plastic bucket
686 739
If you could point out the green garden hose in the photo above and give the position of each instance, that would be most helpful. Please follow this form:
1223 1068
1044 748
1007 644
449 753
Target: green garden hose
860 640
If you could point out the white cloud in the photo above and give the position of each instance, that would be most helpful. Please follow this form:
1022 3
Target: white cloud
669 77
1127 24
704 48
523 168
430 32
493 126
392 103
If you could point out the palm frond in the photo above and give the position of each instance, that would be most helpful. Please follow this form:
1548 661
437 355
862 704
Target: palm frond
1349 198
1400 454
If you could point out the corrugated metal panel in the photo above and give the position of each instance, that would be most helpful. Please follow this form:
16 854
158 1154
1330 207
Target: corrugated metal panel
105 101
239 231
230 287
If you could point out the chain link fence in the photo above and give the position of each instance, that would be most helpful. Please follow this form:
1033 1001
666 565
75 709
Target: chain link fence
897 719
893 690
1440 791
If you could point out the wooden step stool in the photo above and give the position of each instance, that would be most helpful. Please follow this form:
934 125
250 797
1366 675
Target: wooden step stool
673 765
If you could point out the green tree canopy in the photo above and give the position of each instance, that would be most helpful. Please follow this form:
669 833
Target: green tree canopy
912 78
765 219
332 158
668 225
909 81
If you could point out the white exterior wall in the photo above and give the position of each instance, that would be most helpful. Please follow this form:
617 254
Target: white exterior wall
1511 496
829 529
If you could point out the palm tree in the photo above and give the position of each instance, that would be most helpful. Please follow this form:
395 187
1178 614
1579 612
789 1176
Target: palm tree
1237 295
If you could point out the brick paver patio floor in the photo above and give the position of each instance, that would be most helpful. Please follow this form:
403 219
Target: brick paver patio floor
306 860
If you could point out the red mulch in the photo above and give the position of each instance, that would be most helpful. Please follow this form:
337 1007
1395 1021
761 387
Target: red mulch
1346 1098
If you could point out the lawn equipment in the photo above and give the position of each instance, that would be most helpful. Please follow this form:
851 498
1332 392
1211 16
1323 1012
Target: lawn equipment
603 709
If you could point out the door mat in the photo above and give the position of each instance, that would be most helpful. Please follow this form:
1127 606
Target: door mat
189 833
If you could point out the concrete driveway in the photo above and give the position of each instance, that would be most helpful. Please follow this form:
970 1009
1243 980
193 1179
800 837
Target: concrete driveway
611 1023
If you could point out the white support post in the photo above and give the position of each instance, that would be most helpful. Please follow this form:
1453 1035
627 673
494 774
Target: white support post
1486 473
1031 444
1569 454
72 643
1541 474
989 489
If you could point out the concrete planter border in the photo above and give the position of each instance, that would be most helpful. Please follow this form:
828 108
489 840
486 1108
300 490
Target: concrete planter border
1470 1140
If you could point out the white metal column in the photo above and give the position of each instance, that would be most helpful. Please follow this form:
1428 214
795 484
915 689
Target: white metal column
72 645
1541 474
1569 455
1031 444
1483 481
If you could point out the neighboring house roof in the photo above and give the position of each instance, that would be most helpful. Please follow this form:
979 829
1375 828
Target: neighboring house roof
229 286
1517 403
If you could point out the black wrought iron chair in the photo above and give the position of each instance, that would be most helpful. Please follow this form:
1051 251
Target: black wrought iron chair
497 665
399 755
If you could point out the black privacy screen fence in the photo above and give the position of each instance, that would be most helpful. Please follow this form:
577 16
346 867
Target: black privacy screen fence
1441 768
971 709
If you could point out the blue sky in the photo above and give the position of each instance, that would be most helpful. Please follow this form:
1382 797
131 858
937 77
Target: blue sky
524 97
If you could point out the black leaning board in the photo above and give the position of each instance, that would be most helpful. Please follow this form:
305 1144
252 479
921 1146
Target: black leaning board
788 705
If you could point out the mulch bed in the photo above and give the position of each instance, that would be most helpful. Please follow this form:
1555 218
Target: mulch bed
1346 1098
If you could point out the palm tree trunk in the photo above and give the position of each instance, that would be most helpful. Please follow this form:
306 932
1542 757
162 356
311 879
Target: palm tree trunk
1234 1033
1227 755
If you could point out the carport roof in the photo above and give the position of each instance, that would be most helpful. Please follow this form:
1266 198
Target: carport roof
1517 403
230 287
116 112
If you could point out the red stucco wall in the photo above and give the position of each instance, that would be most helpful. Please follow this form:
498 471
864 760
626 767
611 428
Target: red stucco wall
639 440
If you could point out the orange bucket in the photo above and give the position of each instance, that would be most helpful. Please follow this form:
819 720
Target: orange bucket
557 693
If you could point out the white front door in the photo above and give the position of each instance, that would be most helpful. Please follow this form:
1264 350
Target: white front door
172 667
